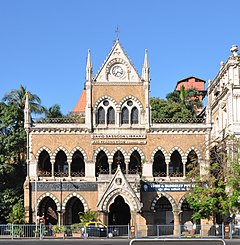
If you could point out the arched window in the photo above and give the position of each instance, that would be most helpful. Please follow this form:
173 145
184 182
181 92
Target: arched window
102 166
134 116
125 115
110 116
61 165
159 165
135 164
176 165
192 163
44 165
78 165
118 159
101 116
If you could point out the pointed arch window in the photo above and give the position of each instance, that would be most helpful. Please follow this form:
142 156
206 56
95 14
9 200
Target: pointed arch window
101 115
125 115
134 116
110 116
176 165
101 166
159 165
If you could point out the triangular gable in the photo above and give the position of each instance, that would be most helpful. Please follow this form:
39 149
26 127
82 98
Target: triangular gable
117 57
119 186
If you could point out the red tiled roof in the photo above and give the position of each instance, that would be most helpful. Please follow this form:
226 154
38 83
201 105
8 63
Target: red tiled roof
81 104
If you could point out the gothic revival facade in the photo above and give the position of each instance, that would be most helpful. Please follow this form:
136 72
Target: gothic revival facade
111 157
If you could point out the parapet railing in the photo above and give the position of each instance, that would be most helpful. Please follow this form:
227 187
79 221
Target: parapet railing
179 120
79 120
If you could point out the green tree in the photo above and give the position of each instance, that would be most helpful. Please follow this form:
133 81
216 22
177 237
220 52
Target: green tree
217 191
178 104
12 157
18 96
53 112
17 213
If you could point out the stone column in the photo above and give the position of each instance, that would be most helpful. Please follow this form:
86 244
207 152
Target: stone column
176 218
110 168
184 169
69 166
60 217
127 166
167 160
52 160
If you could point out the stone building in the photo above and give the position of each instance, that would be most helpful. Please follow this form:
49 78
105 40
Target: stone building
110 157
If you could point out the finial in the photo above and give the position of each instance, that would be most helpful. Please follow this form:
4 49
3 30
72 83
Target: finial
117 31
27 107
89 63
145 64
234 50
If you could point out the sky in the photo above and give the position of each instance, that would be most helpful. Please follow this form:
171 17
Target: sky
44 43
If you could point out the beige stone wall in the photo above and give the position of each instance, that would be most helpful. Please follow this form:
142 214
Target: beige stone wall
166 141
118 92
68 141
89 196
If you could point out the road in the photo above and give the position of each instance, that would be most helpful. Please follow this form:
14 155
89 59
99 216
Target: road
111 242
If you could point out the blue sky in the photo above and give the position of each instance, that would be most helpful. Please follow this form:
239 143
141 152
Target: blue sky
44 43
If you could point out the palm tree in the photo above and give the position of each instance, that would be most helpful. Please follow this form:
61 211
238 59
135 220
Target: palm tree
53 112
18 96
188 99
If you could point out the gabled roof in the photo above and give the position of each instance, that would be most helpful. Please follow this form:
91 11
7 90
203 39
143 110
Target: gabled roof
117 53
119 186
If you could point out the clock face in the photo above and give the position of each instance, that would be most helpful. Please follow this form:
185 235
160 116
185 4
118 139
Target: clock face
117 71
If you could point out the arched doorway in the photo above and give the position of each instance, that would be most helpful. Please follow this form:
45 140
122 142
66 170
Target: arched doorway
73 208
163 212
119 212
163 215
48 210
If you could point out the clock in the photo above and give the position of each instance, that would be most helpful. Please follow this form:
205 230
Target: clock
117 71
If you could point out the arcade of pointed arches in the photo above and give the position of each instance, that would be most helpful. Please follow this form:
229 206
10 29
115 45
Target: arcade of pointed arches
62 163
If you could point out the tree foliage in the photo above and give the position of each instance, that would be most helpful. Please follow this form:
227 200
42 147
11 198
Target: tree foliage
88 216
16 216
12 157
53 112
216 192
18 96
13 151
178 104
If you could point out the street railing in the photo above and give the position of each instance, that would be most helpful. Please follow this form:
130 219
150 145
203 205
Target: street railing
16 231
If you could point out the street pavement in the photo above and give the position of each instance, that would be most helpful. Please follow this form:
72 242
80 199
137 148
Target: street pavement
115 242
